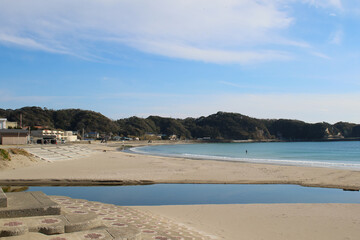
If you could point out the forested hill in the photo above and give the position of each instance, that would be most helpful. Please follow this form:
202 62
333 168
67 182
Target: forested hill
227 126
66 119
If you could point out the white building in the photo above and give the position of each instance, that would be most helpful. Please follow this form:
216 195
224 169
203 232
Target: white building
60 135
47 133
69 136
3 123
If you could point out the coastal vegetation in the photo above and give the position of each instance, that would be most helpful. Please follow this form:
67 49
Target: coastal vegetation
19 151
4 155
14 189
218 126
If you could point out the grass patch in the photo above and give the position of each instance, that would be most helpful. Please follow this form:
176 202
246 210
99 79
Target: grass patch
14 189
4 155
19 151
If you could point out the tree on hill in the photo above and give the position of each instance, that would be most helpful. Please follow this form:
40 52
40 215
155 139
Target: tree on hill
298 130
355 131
169 126
67 119
31 116
135 126
230 126
345 128
221 125
92 122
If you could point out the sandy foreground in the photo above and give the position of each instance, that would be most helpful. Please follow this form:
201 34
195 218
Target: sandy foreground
241 221
268 221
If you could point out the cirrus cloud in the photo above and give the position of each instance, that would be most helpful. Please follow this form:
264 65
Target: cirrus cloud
217 31
337 4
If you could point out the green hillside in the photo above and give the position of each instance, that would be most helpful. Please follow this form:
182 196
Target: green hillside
220 126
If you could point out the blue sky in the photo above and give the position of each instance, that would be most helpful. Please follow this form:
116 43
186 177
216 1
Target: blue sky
296 59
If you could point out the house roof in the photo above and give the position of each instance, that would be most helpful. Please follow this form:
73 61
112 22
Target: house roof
13 131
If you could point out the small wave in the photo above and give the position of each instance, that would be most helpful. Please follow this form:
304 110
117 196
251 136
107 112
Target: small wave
305 163
137 150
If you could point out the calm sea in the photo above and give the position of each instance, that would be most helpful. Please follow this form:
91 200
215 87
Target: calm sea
183 194
344 154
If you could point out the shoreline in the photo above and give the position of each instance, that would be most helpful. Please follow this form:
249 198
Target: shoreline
112 167
93 183
267 161
275 162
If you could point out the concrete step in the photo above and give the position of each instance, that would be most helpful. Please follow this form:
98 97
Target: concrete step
127 219
49 225
3 199
104 234
82 219
25 204
37 152
55 153
48 154
56 159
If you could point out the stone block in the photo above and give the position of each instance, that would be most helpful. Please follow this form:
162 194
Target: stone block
3 199
81 220
129 233
12 228
28 204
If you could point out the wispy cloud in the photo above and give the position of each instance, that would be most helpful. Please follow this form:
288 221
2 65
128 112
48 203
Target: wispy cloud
336 37
244 86
34 99
320 55
231 84
217 31
184 51
28 43
337 4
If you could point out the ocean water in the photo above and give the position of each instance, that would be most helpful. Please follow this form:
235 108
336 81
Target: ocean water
184 194
342 154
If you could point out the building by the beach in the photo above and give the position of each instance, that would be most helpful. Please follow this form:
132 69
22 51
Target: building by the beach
13 136
3 123
69 136
46 134
92 135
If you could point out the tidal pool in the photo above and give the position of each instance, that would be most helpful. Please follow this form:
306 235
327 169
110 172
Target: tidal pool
190 194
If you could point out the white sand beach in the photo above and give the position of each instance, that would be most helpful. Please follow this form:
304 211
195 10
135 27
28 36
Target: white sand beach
268 221
113 165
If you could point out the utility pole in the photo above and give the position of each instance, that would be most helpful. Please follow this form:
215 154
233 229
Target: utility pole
20 120
29 137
